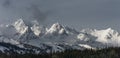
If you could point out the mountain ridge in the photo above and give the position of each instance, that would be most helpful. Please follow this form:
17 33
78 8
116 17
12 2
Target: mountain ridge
57 37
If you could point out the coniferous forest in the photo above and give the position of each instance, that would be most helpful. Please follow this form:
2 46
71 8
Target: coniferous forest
104 53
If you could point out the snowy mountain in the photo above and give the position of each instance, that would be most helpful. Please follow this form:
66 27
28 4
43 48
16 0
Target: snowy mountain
20 38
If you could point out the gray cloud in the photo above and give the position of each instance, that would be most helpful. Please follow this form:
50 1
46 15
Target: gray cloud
6 3
37 14
29 10
75 13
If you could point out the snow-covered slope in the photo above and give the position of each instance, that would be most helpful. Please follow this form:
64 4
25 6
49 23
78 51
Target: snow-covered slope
107 37
41 39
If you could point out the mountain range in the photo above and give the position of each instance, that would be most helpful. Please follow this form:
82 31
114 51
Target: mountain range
21 38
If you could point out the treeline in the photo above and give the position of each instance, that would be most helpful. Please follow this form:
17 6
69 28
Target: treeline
104 53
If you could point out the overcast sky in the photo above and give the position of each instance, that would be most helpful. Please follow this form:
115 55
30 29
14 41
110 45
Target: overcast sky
79 14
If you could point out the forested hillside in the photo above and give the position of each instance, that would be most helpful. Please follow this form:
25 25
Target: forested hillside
104 53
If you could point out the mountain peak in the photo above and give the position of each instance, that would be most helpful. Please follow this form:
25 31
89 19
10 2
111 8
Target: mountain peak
20 26
19 21
38 30
109 29
56 27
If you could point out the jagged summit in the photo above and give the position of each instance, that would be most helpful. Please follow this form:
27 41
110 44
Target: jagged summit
20 26
38 30
56 28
